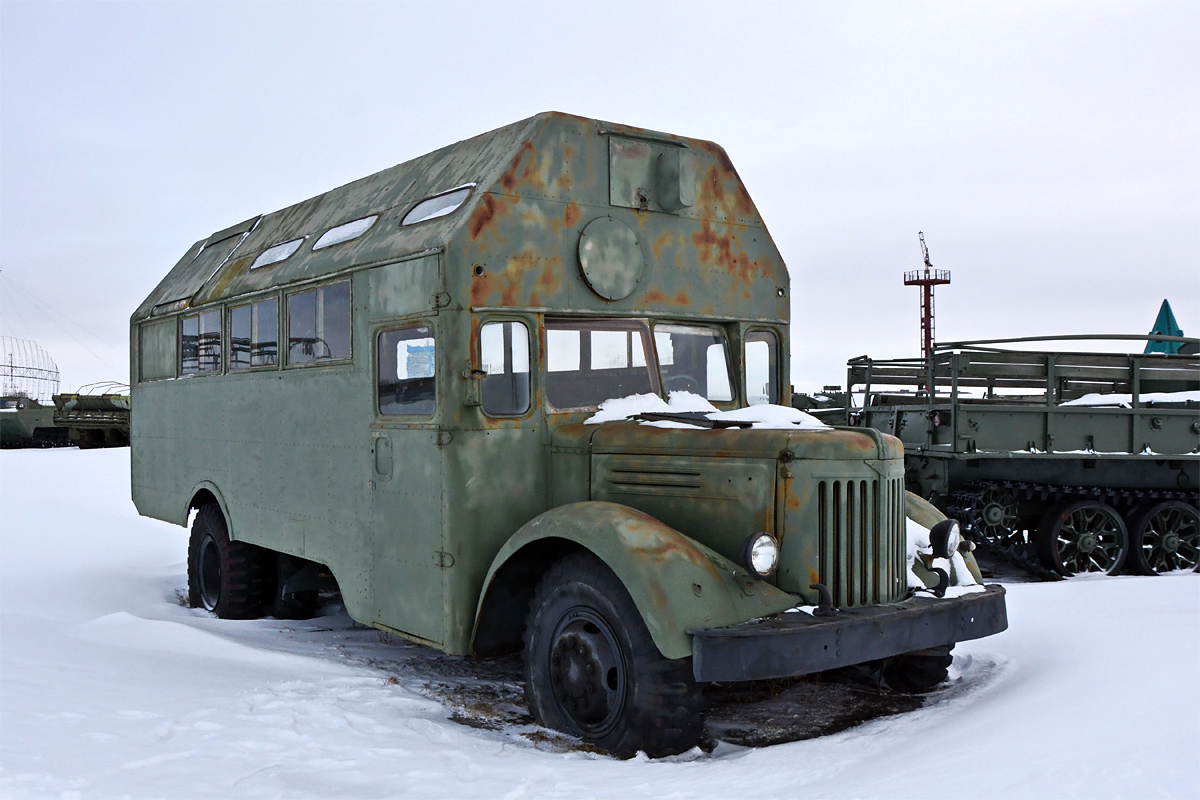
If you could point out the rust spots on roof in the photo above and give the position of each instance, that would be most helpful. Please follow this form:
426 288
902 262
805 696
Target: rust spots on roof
571 214
723 189
724 251
509 179
486 214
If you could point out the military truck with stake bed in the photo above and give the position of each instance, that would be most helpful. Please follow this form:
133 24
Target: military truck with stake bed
390 383
1060 462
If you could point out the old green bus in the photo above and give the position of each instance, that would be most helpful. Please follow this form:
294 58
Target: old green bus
397 384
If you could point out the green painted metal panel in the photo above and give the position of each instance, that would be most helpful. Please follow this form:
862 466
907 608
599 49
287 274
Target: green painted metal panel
405 287
677 583
157 353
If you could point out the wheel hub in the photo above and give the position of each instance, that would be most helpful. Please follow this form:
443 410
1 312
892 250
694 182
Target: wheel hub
586 671
993 514
1087 543
210 574
1170 543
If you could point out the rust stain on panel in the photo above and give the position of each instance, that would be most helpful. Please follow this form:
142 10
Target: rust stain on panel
664 239
486 214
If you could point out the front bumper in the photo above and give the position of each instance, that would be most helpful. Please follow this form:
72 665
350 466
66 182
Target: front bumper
791 644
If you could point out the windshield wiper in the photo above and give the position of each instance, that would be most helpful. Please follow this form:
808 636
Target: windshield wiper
691 418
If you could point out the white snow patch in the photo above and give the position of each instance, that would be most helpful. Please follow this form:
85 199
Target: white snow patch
1126 400
92 706
761 416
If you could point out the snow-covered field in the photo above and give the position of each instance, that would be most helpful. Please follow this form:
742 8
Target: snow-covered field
110 688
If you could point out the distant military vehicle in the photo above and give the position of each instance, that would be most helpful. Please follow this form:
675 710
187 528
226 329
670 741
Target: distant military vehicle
93 420
24 422
391 381
1061 462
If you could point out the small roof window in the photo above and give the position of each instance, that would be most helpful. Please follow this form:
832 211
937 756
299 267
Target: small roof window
437 206
277 253
345 232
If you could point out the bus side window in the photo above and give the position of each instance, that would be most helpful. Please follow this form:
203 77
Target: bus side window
407 366
504 357
319 324
762 368
253 334
200 343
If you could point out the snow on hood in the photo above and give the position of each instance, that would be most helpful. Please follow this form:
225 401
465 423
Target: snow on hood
762 416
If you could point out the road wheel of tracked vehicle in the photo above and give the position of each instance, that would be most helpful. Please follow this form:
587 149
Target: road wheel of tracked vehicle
592 670
230 579
1085 536
997 518
1165 537
918 671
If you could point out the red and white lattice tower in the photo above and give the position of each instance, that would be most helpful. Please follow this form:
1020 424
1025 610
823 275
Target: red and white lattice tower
926 279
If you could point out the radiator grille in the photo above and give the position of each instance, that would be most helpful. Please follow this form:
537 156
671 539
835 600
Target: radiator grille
862 540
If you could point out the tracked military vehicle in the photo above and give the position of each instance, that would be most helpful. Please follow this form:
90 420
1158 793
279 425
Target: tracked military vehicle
392 383
1057 462
24 422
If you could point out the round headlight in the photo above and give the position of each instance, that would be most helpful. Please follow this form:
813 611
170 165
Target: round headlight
760 554
944 538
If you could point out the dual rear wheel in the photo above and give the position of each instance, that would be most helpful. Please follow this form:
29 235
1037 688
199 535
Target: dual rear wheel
237 580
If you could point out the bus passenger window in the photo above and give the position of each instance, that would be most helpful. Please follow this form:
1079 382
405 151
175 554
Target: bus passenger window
504 357
762 368
319 324
406 371
200 343
254 335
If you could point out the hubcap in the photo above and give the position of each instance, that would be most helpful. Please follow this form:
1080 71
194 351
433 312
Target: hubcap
210 574
587 672
998 520
1171 539
1090 540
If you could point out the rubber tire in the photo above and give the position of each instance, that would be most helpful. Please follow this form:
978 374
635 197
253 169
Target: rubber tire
244 569
301 605
1137 529
1046 537
919 671
661 710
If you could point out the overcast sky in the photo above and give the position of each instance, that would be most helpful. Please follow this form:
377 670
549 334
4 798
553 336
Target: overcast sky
1048 151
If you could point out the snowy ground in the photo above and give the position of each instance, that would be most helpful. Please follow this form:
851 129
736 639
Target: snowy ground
110 688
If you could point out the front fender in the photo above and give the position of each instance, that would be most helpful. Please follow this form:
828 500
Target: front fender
677 584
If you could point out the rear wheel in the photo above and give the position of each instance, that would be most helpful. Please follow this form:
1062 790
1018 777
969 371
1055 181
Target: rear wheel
1165 537
592 670
1085 536
230 579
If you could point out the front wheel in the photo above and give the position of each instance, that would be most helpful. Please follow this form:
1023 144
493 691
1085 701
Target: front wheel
919 671
592 670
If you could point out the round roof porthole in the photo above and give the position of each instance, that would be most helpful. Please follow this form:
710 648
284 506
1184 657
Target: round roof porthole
610 258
